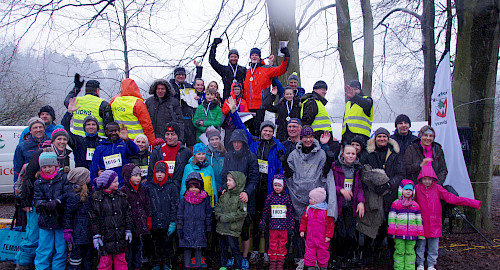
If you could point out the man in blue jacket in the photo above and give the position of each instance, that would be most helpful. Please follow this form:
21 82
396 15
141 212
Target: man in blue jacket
114 152
48 115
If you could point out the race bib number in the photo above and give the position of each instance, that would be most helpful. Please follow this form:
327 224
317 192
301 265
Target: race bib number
278 211
263 165
348 184
90 153
144 170
112 161
171 166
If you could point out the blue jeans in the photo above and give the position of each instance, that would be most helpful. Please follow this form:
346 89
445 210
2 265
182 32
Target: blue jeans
27 249
231 242
432 251
51 250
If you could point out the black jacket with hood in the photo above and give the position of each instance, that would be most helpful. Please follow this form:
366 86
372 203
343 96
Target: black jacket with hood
163 110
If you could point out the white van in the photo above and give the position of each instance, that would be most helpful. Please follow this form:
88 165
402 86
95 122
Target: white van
9 138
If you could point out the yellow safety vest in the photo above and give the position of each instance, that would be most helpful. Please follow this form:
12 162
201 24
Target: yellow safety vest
357 120
89 105
123 112
321 120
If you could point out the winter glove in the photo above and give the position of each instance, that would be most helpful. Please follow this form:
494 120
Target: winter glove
51 205
217 41
149 223
97 241
78 83
282 156
180 233
285 51
128 236
383 189
68 235
171 228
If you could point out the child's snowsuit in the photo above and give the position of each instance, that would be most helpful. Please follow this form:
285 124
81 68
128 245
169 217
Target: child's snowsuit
317 225
405 225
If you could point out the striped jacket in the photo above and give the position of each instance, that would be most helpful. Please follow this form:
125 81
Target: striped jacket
405 222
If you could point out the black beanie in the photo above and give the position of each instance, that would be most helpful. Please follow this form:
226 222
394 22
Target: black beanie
381 130
48 109
400 118
320 84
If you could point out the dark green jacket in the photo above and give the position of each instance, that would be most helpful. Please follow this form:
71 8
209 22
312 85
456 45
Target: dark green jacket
230 212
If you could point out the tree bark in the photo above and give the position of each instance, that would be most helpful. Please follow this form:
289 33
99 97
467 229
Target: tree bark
474 83
282 27
368 46
346 49
429 50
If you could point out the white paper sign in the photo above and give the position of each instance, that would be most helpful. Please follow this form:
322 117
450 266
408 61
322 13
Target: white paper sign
283 44
188 95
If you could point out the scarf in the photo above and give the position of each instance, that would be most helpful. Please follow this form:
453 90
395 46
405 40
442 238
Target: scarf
320 206
195 198
407 202
136 187
427 152
61 155
49 176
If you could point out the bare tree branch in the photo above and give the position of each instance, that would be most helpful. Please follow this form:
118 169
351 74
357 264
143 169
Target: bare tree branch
312 16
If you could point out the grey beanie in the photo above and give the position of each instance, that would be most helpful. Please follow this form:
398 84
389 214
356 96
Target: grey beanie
79 176
267 123
381 130
233 51
34 120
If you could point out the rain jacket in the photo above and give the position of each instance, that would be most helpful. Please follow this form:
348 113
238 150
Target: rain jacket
130 88
230 211
216 159
164 198
429 199
308 175
415 155
207 173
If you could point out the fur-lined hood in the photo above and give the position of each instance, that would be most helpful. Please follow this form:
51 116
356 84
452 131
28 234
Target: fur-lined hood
393 145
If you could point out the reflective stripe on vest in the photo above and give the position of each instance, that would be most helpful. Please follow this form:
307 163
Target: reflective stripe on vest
123 111
89 105
321 120
357 120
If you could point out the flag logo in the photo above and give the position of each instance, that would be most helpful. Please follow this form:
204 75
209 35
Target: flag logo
442 107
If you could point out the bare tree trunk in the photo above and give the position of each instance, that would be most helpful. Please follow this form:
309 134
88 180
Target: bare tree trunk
346 50
282 27
474 83
125 44
368 46
429 50
449 23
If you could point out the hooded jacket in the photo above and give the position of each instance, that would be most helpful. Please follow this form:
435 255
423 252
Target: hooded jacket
207 173
194 219
24 151
216 160
51 190
125 149
164 201
274 164
261 79
139 203
243 107
308 175
282 111
273 200
162 111
357 188
429 199
226 72
130 88
77 217
415 155
246 162
181 159
110 218
230 211
210 113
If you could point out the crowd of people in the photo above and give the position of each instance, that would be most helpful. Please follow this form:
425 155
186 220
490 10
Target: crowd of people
186 178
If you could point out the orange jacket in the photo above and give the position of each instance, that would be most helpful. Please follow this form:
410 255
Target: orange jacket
243 104
130 88
262 76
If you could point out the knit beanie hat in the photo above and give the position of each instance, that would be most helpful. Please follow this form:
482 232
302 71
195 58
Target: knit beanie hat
279 178
255 50
59 132
161 167
90 118
296 121
212 132
48 158
173 127
129 170
293 77
34 120
318 195
142 136
179 71
233 51
381 130
194 178
104 180
400 118
359 140
355 84
306 131
320 84
267 123
78 176
199 148
48 109
158 141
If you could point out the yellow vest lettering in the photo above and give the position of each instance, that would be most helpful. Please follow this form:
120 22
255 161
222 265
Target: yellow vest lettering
89 105
357 120
123 112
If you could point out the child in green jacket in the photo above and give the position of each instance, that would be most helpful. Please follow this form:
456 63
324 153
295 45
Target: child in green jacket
207 114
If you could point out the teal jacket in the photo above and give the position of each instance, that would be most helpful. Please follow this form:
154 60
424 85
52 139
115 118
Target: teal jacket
207 173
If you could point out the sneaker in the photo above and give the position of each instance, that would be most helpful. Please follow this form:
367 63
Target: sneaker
300 265
431 268
420 267
245 264
223 268
230 262
254 257
266 259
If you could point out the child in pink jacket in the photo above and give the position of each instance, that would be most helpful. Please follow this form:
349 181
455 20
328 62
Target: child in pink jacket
428 195
319 229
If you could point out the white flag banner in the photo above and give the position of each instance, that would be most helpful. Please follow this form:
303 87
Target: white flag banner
443 122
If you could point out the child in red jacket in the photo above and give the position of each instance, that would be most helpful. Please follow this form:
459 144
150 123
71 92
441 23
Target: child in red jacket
428 195
319 229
